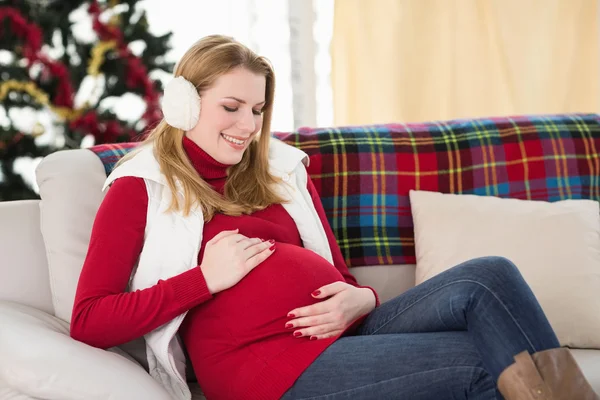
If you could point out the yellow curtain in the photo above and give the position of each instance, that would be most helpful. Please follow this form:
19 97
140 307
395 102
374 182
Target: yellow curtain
420 60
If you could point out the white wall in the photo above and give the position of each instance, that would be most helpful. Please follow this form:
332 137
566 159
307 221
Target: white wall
264 26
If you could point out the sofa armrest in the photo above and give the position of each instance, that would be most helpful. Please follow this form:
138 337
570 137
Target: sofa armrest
23 266
41 360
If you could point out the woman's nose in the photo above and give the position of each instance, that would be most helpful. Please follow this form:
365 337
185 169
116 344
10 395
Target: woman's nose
247 122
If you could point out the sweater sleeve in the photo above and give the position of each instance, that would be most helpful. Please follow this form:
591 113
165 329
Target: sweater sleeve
104 313
336 252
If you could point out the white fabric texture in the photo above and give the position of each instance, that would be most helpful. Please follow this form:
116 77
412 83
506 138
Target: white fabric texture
172 242
40 360
181 104
23 270
555 245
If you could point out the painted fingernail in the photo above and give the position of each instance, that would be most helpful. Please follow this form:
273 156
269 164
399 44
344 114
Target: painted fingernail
313 338
271 241
297 334
316 293
288 326
272 248
290 315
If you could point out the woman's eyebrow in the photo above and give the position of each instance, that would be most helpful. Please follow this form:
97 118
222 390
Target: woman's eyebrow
242 101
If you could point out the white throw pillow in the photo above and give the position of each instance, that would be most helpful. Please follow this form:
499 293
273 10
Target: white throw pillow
555 245
40 360
70 185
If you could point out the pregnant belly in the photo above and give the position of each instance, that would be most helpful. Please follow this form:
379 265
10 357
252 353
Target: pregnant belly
255 310
250 317
280 283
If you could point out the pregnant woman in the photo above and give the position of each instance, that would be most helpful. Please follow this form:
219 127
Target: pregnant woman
212 242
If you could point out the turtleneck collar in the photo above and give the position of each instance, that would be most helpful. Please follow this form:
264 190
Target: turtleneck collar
208 168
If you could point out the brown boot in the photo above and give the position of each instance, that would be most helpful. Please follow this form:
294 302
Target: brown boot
547 375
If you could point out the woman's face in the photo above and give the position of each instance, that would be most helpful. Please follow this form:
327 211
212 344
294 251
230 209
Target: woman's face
230 115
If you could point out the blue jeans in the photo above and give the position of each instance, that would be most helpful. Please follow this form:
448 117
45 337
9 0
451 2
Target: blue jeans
448 338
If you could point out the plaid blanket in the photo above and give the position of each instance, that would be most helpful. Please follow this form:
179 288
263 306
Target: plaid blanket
364 173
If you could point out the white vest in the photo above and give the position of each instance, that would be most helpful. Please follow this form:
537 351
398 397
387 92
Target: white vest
172 243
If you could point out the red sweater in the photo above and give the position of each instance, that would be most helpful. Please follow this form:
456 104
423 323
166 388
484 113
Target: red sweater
236 339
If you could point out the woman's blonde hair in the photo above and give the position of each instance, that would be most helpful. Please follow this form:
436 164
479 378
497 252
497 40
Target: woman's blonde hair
247 188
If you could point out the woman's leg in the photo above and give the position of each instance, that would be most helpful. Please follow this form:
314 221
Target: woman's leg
415 366
487 297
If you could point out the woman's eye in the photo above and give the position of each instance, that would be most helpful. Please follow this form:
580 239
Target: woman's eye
230 109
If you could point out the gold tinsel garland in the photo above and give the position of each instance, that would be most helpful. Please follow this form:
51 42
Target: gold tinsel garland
98 53
29 87
37 94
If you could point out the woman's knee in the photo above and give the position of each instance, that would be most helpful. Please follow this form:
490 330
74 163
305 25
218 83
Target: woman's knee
492 268
500 264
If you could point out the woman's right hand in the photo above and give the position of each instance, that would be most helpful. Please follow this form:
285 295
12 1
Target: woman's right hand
230 256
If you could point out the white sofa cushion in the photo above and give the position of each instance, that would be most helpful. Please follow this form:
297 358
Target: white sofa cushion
589 362
388 281
70 185
23 270
8 393
41 360
556 247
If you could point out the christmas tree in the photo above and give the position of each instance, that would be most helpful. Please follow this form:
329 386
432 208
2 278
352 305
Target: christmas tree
65 68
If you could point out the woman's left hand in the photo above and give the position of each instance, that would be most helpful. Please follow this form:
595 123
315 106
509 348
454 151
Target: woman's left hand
331 317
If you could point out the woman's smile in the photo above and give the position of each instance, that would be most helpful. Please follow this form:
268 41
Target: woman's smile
234 142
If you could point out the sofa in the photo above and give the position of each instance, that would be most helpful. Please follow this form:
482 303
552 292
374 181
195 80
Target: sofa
365 175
